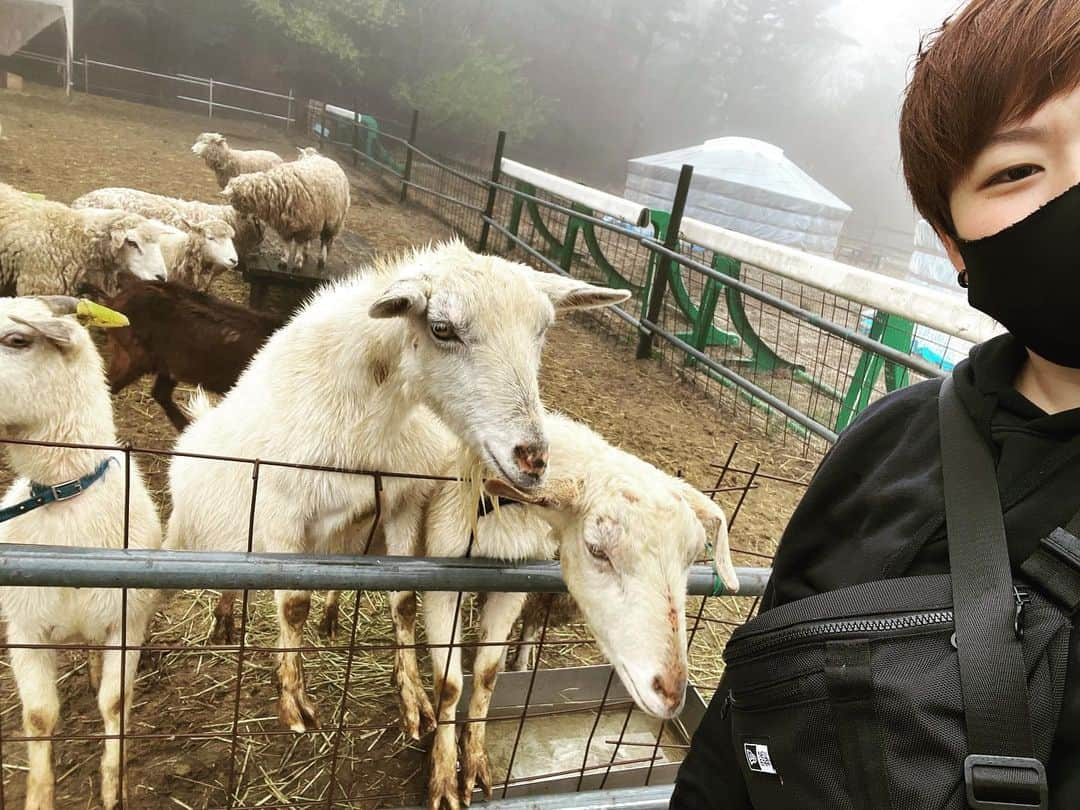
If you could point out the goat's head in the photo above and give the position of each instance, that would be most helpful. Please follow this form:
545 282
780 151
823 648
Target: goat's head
49 365
208 141
627 537
134 246
306 152
477 328
218 249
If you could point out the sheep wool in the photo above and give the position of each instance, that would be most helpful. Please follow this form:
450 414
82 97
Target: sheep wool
227 163
248 232
302 200
49 248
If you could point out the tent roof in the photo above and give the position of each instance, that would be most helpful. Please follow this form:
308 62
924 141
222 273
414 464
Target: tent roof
747 162
21 20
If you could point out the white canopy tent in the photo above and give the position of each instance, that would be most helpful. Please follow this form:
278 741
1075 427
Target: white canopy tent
22 20
747 186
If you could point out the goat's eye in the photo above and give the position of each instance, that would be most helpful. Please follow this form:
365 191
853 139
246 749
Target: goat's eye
443 331
597 553
131 243
16 341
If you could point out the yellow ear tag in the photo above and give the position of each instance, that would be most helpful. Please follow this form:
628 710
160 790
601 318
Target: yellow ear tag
91 314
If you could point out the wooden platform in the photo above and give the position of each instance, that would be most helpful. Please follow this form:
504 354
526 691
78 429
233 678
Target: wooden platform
261 271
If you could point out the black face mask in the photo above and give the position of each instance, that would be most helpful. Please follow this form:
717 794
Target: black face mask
1027 277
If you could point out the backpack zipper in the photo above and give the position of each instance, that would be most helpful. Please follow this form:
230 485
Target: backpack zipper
811 631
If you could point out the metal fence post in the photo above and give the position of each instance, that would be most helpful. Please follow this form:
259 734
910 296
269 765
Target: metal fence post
407 176
356 134
322 129
86 73
489 209
288 112
211 109
663 267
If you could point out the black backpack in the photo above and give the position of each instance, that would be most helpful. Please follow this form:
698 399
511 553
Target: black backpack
921 693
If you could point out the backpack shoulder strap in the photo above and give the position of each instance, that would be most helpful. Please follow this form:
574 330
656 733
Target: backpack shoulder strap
992 675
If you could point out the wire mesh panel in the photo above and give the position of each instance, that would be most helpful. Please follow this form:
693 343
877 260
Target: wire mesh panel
204 727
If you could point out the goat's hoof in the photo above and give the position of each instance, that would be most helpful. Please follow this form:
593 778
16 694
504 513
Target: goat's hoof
443 789
224 630
416 712
475 771
328 627
297 712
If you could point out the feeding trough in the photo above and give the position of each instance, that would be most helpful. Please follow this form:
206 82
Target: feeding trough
562 713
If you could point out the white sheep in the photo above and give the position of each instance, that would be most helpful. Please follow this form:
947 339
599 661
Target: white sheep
53 389
49 248
227 163
302 200
625 534
348 383
199 252
248 232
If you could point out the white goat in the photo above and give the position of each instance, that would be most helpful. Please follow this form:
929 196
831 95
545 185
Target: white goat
52 388
343 384
248 231
47 247
626 534
227 163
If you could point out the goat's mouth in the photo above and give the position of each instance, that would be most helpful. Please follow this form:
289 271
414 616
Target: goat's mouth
521 480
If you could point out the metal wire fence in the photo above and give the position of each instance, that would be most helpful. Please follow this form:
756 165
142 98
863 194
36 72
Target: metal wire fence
175 90
793 359
203 731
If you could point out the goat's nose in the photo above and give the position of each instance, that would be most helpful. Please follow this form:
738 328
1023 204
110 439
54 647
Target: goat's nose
670 686
531 458
232 263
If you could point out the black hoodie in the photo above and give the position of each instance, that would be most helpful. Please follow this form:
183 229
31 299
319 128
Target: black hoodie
875 510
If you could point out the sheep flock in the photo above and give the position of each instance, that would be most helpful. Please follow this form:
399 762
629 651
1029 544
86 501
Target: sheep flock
425 363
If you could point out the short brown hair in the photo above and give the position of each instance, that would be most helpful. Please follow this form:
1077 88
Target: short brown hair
995 62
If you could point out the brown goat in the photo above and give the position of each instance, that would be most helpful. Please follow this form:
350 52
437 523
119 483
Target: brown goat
181 335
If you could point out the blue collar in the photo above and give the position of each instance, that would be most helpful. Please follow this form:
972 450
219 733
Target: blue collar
42 495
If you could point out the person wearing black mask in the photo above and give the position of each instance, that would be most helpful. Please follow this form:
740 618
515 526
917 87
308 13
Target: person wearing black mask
990 139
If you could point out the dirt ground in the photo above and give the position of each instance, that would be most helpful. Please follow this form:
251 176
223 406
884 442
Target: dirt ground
64 148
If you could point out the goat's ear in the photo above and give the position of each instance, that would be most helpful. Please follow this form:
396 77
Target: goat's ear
57 331
117 237
569 293
407 296
714 520
559 494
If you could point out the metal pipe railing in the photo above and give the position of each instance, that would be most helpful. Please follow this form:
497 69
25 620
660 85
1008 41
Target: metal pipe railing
78 567
654 797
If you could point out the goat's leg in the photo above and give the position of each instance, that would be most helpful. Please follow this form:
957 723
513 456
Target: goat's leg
35 677
93 669
113 787
224 631
328 627
162 391
440 610
530 634
417 716
295 708
496 620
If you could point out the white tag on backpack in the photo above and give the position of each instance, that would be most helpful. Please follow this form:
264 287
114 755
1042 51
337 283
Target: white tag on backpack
757 757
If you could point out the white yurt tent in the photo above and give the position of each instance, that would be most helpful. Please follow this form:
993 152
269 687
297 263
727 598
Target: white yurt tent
744 185
22 20
930 266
